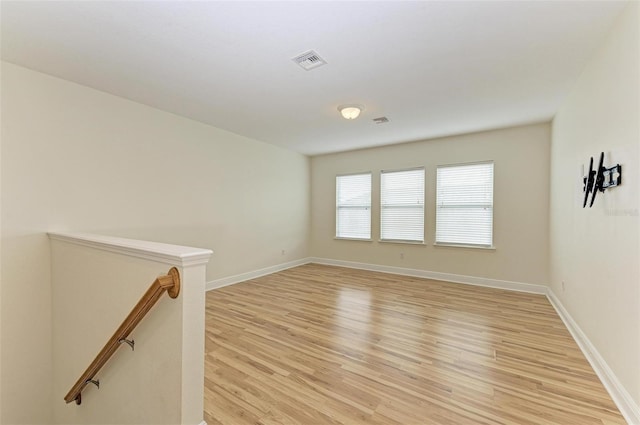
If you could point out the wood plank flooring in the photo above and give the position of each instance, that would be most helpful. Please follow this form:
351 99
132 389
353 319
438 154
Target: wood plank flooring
329 345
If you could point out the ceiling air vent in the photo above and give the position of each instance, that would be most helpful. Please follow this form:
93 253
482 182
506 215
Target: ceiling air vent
381 120
309 60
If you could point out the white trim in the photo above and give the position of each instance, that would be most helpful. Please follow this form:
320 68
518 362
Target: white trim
448 277
226 281
621 397
203 423
400 241
175 255
458 164
341 238
461 245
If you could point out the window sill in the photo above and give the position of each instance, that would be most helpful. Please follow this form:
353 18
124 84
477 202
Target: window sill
455 245
352 239
401 242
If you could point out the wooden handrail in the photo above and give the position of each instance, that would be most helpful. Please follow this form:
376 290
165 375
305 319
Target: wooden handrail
169 283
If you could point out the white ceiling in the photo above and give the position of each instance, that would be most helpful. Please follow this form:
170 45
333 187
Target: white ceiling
433 68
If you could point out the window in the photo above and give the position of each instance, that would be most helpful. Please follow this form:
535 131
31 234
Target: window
402 205
464 204
353 206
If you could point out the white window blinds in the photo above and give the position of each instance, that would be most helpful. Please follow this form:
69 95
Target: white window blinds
402 205
353 206
464 204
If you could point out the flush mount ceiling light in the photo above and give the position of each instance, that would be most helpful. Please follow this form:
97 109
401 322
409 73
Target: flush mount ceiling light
350 112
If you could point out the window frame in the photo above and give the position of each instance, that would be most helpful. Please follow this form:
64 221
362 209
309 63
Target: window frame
423 205
490 246
338 206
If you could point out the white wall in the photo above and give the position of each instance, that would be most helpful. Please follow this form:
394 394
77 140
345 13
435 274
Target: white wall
78 159
521 198
1 136
595 252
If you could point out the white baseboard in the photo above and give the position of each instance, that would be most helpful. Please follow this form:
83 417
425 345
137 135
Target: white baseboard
621 397
448 277
226 281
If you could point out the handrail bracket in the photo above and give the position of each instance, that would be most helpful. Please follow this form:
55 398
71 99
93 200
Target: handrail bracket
131 343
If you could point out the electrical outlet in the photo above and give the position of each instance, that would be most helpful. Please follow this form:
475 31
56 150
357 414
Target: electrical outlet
282 253
563 286
402 255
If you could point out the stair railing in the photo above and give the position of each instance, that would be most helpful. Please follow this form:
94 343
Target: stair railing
169 283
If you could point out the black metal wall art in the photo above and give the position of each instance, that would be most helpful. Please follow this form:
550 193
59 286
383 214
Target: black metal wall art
600 179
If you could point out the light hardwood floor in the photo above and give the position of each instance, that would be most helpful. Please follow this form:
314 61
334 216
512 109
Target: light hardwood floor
329 345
